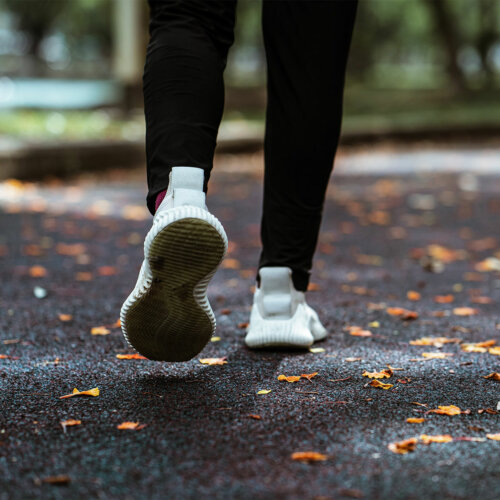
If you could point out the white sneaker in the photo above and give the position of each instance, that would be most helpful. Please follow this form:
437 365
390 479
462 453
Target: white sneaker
167 316
280 315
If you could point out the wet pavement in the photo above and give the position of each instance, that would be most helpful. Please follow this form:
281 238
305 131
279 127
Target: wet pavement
70 252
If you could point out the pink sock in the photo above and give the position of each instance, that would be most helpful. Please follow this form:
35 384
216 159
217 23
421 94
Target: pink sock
159 199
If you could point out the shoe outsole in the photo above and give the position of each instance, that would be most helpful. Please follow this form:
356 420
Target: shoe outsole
172 320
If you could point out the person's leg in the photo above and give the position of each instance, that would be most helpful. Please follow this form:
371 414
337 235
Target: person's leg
307 44
183 85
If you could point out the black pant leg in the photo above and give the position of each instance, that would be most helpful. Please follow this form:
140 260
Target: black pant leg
183 85
307 44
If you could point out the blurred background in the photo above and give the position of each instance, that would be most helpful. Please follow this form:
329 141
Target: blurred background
70 74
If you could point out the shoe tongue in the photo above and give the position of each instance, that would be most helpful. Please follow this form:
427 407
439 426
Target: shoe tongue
275 285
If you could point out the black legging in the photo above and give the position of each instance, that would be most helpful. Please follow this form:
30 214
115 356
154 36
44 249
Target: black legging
307 44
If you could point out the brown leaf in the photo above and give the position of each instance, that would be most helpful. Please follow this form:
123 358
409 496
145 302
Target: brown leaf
308 456
413 420
493 376
255 417
59 480
402 313
403 447
91 392
309 376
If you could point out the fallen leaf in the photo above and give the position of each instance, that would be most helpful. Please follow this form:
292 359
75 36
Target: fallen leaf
214 361
494 437
419 404
412 295
494 350
426 439
91 392
447 410
255 417
264 391
308 456
481 300
65 317
215 339
70 423
107 271
132 426
37 272
381 385
478 346
413 420
99 330
472 439
402 313
357 331
291 378
403 447
444 299
6 356
59 480
309 376
130 356
83 276
436 355
382 374
243 325
493 376
465 311
351 360
316 350
434 341
117 323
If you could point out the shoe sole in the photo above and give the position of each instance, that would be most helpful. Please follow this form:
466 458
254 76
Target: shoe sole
173 320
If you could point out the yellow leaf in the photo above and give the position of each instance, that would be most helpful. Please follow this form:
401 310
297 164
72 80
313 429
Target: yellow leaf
403 447
215 339
264 391
436 355
381 374
374 324
434 341
91 392
308 456
132 426
494 350
213 361
415 420
447 410
291 378
316 350
309 376
464 311
381 385
494 437
99 330
446 438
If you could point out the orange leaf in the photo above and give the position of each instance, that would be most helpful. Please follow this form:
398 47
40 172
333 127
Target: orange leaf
65 317
117 324
91 392
229 263
494 437
447 410
444 299
382 374
478 346
309 376
99 330
381 385
494 350
291 378
481 300
130 356
402 313
38 272
107 270
255 417
70 423
436 355
403 447
446 438
214 361
412 295
131 426
493 376
465 311
434 341
6 356
308 456
83 276
415 420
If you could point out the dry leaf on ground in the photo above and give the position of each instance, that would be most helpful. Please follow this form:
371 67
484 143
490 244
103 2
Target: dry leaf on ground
91 392
465 311
446 438
436 355
213 361
131 426
264 391
291 378
493 376
70 423
382 374
494 350
99 330
403 447
130 356
494 437
381 385
402 313
447 410
413 420
308 456
309 376
434 341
